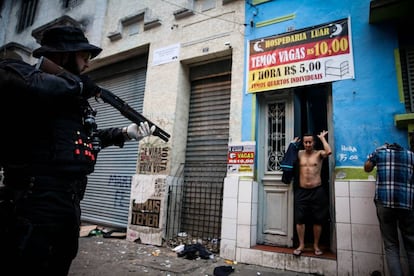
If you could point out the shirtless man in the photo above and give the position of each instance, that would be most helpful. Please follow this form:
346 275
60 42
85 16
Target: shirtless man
311 201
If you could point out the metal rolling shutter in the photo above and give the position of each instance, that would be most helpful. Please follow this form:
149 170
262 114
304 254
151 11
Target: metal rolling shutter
206 153
107 195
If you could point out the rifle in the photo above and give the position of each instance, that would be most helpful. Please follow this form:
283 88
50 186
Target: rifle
107 96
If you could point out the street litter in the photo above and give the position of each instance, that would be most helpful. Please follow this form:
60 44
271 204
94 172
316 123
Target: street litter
85 230
156 252
179 249
223 270
194 251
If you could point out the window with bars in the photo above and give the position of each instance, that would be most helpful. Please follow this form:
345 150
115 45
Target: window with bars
276 135
407 73
27 14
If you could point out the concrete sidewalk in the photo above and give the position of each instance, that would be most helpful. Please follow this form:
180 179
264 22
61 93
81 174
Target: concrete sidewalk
114 256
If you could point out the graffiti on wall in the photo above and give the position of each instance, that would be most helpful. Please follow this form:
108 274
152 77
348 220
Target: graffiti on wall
147 195
147 213
153 160
348 153
160 187
121 183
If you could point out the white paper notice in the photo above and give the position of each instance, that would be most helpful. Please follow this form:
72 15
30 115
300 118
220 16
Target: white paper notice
166 54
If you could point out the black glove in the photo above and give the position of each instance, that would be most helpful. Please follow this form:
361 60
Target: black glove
89 88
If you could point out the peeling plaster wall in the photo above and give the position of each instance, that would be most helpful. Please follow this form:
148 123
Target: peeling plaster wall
89 13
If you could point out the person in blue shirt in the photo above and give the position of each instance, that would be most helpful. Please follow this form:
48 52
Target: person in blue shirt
394 201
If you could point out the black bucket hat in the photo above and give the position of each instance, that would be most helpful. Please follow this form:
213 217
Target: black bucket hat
65 39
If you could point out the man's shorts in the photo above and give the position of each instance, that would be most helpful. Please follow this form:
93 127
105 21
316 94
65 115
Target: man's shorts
311 205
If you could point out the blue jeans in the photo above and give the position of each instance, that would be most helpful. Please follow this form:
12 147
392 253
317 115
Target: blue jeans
390 219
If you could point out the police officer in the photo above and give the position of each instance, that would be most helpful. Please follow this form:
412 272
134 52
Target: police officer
49 144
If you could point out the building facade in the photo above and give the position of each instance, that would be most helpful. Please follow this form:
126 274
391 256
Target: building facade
180 64
233 82
313 66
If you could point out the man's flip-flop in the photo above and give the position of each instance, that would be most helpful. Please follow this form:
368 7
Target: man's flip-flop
297 252
318 252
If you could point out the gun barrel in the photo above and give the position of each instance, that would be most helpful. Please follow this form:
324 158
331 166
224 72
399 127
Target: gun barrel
108 97
130 113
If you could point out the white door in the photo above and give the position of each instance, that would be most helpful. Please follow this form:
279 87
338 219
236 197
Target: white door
275 131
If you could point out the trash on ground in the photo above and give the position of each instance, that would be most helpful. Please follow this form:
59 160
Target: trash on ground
156 253
194 251
116 234
86 229
223 270
179 248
